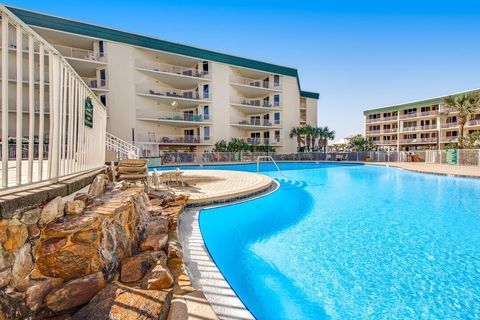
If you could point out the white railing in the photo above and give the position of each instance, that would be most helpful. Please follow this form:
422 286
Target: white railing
255 103
393 130
391 118
473 122
173 69
373 131
172 139
256 122
257 83
449 125
465 157
385 142
173 93
261 141
67 142
95 83
173 116
449 139
78 53
122 148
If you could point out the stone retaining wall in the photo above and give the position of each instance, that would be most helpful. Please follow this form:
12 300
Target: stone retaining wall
118 248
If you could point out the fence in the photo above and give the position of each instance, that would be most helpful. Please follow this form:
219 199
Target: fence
464 157
60 141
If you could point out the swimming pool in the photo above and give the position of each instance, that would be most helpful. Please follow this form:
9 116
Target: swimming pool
340 241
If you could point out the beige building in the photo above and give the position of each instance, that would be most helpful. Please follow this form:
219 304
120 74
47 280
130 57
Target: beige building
166 96
418 125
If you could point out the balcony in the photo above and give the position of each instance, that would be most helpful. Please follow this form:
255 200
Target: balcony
254 105
85 62
373 132
175 119
252 88
391 118
385 142
473 123
449 139
255 123
96 84
262 141
449 125
173 140
176 76
171 96
428 127
392 130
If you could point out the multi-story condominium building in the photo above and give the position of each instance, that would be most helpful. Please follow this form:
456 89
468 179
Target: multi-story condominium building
418 125
164 96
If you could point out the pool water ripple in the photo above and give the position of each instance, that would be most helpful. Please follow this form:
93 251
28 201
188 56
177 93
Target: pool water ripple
352 242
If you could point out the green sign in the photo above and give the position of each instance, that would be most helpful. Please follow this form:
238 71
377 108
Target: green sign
452 156
88 112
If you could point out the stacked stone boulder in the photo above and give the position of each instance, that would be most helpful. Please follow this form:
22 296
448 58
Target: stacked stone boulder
111 244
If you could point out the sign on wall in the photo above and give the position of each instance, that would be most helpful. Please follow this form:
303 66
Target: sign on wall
88 112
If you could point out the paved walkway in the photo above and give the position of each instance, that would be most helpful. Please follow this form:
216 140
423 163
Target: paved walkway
212 185
444 169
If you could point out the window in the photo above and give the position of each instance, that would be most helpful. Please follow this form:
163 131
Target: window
276 80
276 117
266 102
206 113
101 49
205 67
103 99
206 133
277 135
103 77
276 100
206 91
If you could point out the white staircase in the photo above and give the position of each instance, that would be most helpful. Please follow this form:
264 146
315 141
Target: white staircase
122 148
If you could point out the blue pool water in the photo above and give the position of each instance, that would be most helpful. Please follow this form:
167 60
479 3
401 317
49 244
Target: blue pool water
352 242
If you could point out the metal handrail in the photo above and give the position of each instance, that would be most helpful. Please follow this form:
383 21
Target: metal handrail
268 158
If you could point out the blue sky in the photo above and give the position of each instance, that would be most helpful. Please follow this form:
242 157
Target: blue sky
356 54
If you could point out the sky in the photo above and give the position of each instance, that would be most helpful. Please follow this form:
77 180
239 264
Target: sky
357 54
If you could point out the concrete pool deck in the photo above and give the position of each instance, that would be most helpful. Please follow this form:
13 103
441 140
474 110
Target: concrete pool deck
207 187
440 169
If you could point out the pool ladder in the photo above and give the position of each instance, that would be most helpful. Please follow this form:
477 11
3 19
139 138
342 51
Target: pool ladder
267 158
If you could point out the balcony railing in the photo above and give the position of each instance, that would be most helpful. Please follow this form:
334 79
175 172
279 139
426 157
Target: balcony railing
257 122
475 122
174 93
392 130
172 140
255 83
95 83
173 116
173 69
385 142
449 125
373 131
391 118
449 139
256 103
409 115
428 127
261 141
78 53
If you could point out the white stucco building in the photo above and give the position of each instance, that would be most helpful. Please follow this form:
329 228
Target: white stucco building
167 96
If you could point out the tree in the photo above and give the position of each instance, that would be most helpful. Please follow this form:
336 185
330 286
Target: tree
466 105
309 131
360 143
297 132
472 140
325 134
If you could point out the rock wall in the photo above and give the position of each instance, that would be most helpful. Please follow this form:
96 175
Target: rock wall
56 258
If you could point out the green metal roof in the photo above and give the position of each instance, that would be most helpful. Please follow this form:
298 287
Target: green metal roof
416 104
307 94
90 30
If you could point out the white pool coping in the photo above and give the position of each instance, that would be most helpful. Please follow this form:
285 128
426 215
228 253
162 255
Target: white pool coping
203 271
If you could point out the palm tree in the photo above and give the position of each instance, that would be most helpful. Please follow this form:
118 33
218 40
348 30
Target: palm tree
297 132
466 105
325 134
309 131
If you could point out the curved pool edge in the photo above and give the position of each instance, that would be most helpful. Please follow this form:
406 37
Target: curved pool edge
201 267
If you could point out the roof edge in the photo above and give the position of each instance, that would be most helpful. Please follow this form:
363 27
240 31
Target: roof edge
308 94
414 103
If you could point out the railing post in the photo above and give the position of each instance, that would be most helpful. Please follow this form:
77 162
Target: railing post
56 80
5 53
